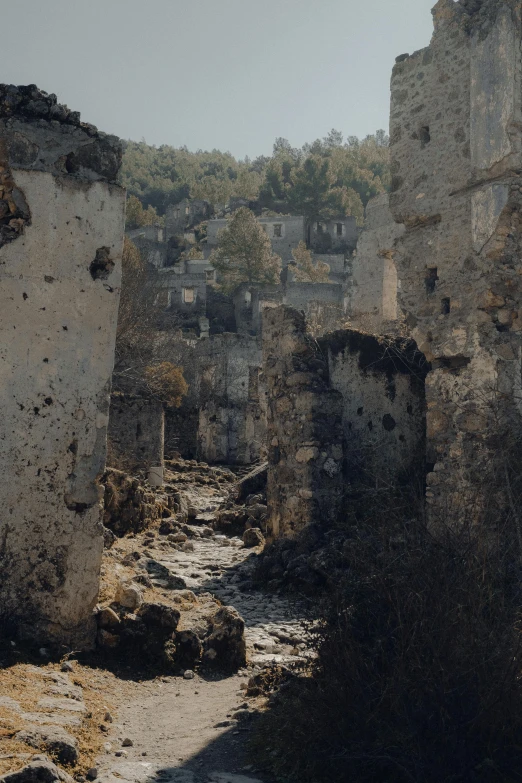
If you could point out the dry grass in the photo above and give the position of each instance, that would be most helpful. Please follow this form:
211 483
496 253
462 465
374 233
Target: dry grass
25 686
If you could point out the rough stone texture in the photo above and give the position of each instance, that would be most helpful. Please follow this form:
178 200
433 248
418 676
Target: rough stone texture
128 506
136 433
344 411
381 380
60 271
41 771
456 156
62 745
225 646
304 427
223 416
373 290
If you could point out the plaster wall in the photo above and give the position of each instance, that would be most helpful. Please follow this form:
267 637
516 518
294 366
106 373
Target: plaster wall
59 282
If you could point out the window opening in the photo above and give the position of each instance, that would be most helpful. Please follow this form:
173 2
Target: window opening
445 305
424 135
189 295
278 230
431 279
339 229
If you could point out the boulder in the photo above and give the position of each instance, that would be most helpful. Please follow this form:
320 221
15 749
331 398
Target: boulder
107 618
188 649
54 739
224 647
253 537
129 595
41 771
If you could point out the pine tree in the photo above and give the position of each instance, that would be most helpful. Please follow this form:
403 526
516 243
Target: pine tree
244 253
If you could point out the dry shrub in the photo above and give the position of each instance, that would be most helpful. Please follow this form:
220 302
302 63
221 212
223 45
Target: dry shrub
166 381
21 683
418 670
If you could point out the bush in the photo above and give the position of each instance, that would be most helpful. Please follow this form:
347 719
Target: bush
166 381
417 676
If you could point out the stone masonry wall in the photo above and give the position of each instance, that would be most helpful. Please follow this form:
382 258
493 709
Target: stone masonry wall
455 129
223 417
373 292
136 433
61 232
381 380
304 427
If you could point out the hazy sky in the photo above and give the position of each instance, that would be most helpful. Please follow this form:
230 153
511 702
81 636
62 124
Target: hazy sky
225 74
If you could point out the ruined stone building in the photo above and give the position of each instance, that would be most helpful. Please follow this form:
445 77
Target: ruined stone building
61 233
456 149
182 217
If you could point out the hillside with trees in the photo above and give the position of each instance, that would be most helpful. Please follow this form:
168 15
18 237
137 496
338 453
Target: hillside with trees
330 177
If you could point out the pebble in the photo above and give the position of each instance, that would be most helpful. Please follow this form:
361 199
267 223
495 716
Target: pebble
188 675
67 667
127 743
92 773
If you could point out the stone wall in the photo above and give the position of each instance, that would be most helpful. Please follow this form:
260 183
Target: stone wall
374 284
222 418
456 124
61 232
344 412
381 380
136 433
304 427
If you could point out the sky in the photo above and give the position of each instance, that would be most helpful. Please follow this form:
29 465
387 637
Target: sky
215 74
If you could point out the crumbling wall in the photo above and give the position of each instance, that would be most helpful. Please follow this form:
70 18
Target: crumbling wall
381 380
136 433
61 231
232 418
373 290
223 416
456 156
304 427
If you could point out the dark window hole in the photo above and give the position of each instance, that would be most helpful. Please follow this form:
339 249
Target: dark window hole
431 278
424 135
445 305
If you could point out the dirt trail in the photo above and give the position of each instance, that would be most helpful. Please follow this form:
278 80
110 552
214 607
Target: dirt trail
195 730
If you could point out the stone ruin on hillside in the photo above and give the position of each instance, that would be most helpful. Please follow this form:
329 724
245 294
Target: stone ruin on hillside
417 387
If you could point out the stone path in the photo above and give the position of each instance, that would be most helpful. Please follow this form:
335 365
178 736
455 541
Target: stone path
195 731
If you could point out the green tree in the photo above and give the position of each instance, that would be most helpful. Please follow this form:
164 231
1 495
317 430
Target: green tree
313 193
244 253
304 269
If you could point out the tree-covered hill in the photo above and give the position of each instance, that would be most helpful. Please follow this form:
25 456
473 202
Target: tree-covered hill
329 177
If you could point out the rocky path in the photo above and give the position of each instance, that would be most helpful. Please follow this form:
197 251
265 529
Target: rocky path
195 730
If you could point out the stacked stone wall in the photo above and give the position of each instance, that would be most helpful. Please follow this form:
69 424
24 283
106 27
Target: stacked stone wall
136 433
304 427
455 134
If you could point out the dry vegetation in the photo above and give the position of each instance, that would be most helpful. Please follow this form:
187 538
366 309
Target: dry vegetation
21 683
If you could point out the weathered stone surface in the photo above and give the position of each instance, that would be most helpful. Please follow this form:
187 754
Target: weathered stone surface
64 323
456 156
53 739
224 646
253 537
42 771
136 433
